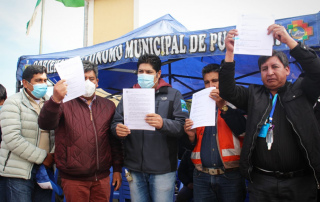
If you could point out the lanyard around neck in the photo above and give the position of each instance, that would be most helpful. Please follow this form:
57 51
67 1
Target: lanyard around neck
274 102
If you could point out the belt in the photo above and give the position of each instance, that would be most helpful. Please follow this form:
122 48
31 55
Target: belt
279 174
217 171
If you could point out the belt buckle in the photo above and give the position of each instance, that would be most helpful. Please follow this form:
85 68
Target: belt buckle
284 175
212 171
215 171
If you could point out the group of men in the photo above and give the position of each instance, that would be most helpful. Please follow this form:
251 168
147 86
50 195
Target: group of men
271 139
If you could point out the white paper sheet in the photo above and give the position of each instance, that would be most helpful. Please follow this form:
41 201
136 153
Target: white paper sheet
72 71
203 109
137 103
253 38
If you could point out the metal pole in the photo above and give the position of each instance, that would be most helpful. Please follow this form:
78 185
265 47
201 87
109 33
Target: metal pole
41 27
169 71
85 27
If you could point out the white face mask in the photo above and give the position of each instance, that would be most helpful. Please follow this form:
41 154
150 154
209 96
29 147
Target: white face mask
90 88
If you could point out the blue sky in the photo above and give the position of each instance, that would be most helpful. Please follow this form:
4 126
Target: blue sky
63 30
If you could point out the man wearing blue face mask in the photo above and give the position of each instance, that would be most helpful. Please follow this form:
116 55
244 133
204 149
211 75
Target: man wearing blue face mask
151 156
24 145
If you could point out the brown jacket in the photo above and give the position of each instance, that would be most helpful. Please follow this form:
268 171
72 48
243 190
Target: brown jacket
85 149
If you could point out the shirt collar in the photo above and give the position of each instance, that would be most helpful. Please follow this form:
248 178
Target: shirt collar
86 101
31 99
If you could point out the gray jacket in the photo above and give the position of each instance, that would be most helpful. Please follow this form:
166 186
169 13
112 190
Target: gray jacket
20 137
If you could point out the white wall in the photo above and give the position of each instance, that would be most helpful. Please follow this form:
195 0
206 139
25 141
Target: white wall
206 14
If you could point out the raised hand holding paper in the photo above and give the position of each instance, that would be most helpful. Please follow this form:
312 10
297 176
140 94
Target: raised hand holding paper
253 38
72 71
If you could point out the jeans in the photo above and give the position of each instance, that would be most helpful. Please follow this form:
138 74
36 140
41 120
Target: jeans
21 190
3 189
227 187
152 187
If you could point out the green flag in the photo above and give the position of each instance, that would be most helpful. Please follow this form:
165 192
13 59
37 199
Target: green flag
72 3
30 22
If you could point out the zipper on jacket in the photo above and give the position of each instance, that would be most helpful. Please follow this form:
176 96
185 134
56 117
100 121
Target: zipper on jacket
314 172
253 140
5 163
95 134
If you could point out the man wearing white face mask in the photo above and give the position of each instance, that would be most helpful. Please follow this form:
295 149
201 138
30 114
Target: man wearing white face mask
24 145
85 149
151 156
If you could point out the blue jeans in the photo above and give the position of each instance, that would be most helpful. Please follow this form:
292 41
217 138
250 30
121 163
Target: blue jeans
3 188
227 187
21 190
152 187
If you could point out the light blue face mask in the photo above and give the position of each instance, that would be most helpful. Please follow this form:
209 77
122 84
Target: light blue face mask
146 80
1 106
39 90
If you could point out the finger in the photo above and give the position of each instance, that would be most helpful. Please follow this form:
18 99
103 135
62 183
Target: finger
277 35
61 81
122 134
215 98
151 115
215 95
148 120
272 27
118 184
189 122
215 90
122 127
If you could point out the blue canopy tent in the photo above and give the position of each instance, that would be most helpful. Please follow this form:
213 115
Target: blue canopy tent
183 54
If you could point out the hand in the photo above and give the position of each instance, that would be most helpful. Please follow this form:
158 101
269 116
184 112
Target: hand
49 160
229 41
215 95
190 185
279 32
59 90
122 130
116 180
190 132
154 120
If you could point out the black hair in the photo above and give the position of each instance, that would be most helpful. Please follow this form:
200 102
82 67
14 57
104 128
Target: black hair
280 55
3 92
153 60
89 66
210 68
32 70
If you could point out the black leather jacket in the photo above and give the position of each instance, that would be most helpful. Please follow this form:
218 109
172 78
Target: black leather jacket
297 99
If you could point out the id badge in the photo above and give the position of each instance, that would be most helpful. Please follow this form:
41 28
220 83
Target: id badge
264 130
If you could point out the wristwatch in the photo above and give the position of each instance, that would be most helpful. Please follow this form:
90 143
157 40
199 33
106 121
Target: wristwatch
224 108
